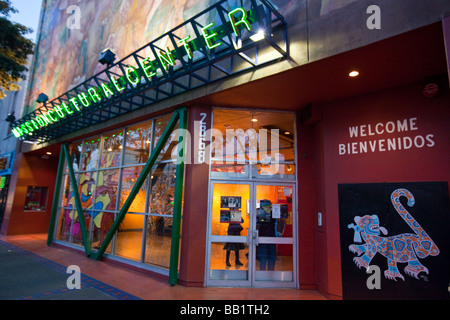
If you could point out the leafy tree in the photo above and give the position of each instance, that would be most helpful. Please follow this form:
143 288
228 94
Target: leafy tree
14 50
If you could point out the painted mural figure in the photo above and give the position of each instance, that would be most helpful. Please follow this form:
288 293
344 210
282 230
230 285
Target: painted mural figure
402 248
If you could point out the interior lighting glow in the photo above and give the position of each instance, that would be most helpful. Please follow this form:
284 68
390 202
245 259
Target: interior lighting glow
354 74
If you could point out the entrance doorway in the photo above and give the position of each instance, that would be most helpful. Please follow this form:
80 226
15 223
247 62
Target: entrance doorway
252 235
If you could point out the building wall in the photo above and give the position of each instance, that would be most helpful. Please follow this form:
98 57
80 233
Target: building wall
423 157
29 170
13 103
317 29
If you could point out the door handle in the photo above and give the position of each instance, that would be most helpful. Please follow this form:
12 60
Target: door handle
256 237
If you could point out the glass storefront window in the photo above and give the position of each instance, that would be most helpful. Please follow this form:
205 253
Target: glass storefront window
67 197
129 237
138 143
129 178
64 225
91 153
104 204
253 144
75 153
87 189
107 168
111 149
163 188
158 241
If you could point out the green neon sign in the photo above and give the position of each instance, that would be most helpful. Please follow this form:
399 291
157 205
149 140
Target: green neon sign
146 70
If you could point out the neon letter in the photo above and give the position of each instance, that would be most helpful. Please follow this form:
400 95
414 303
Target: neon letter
130 79
208 37
34 124
145 67
16 132
107 91
59 111
186 46
243 20
117 84
84 99
51 116
66 107
24 128
44 117
93 93
75 103
166 58
40 121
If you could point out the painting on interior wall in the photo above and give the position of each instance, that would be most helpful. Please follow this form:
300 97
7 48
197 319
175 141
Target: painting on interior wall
394 240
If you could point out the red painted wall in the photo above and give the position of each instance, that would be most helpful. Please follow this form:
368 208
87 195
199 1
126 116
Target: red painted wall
195 209
30 170
425 160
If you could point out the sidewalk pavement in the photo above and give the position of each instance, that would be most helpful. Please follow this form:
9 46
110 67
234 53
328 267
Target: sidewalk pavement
31 270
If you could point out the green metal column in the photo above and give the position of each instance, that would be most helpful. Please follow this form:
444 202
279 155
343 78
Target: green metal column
57 192
178 200
76 195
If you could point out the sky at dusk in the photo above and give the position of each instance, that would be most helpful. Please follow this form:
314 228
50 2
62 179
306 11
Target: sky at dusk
28 15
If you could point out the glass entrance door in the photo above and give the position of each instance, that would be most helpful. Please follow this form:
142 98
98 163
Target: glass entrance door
251 235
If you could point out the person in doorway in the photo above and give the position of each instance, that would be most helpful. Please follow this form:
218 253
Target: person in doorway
234 229
266 253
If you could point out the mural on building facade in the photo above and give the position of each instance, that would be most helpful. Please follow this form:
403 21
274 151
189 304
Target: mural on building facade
331 5
67 53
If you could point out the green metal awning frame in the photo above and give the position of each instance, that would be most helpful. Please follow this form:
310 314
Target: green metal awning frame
179 116
234 56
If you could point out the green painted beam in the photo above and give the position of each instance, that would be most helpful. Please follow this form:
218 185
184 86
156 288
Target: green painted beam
76 195
178 200
54 214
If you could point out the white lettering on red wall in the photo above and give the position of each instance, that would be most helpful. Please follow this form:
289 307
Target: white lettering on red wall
388 136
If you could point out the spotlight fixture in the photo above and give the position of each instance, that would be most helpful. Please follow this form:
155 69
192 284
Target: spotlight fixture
260 35
10 118
42 98
107 57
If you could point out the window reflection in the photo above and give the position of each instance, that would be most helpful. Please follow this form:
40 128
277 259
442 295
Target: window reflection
106 174
89 158
87 189
163 188
75 153
129 237
112 149
104 204
138 143
158 241
129 179
253 144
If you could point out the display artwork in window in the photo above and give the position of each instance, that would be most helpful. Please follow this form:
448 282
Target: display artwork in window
36 199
